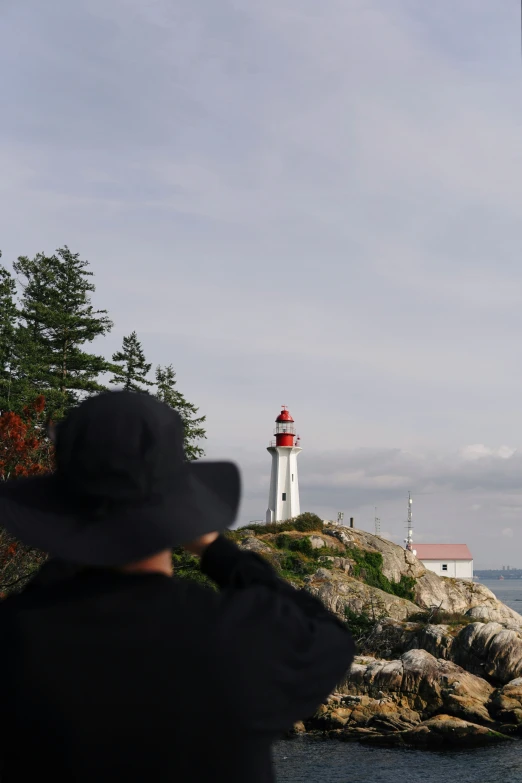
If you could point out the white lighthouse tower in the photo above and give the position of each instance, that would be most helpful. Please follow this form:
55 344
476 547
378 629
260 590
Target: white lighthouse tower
283 501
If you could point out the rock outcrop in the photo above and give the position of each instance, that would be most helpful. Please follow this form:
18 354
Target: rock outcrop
339 591
342 563
426 684
418 701
506 703
490 650
317 542
450 595
253 544
442 731
461 597
391 695
396 561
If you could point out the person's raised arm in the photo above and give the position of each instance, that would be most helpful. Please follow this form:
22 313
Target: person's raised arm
290 651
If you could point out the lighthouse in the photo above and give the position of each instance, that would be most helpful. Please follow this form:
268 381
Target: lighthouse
283 500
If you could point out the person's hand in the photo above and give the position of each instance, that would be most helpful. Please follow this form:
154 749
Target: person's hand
198 546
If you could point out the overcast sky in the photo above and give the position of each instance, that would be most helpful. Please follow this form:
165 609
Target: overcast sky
300 202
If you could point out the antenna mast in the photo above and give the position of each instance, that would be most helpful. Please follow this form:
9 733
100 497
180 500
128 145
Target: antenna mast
409 540
377 524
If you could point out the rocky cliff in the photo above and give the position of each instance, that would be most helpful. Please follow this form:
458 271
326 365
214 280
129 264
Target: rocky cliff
440 659
451 595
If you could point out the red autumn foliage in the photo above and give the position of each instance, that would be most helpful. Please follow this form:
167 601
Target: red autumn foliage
24 448
24 451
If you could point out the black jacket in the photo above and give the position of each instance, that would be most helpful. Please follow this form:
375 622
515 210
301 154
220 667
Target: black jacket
113 676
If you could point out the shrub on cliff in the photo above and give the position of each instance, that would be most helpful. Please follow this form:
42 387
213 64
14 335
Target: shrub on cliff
405 588
307 522
368 568
360 625
303 545
296 564
438 616
304 523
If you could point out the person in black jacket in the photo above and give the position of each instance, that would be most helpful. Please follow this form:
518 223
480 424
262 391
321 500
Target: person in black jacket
113 668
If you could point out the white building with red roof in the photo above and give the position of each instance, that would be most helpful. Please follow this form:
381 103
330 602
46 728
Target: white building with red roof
446 559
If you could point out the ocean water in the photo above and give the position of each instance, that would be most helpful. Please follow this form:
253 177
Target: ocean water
307 760
303 760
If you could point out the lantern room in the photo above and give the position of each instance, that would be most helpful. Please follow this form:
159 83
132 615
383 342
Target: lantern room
285 428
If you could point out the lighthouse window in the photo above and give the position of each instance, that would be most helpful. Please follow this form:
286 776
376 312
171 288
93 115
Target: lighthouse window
292 476
444 566
284 495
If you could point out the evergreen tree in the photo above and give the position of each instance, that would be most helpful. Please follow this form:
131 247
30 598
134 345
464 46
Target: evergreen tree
57 320
193 425
133 369
8 319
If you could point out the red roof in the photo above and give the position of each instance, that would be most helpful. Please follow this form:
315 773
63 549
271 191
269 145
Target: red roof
284 415
442 552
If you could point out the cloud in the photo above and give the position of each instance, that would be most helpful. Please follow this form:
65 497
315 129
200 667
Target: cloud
479 451
476 468
507 532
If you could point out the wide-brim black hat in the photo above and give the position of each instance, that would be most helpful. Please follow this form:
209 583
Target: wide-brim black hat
122 490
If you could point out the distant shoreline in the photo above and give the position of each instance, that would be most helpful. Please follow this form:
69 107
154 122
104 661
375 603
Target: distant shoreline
512 573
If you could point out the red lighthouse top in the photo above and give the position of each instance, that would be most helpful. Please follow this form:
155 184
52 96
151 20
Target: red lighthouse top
284 415
285 429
